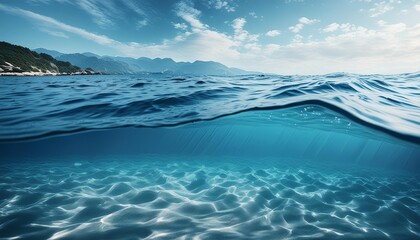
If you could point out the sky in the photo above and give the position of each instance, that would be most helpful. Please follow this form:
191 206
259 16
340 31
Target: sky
273 36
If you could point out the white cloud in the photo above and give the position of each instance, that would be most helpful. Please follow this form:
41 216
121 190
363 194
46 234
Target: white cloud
52 23
49 1
99 15
344 27
382 7
390 49
133 6
180 26
417 7
241 35
222 4
54 33
273 33
392 28
201 42
253 14
332 27
103 13
190 15
296 28
142 23
293 1
302 22
347 27
238 24
297 38
307 21
271 48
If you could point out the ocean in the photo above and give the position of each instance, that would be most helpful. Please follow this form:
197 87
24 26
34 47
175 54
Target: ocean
160 156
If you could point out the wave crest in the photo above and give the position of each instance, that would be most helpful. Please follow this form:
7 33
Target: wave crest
386 102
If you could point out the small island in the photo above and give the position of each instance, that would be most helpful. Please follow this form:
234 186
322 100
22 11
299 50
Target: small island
20 61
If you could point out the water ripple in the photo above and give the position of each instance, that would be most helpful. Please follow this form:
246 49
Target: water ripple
58 104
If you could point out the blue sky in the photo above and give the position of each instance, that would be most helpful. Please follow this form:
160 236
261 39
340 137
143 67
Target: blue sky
276 36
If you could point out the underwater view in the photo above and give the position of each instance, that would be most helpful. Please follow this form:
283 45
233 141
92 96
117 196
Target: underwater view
158 156
209 119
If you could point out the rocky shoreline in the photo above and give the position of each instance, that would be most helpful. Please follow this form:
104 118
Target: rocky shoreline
21 74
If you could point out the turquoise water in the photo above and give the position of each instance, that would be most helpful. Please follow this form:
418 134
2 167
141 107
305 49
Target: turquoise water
227 158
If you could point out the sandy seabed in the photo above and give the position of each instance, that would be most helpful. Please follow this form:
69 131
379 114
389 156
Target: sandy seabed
197 200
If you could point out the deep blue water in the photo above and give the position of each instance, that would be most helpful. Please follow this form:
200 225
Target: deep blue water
248 157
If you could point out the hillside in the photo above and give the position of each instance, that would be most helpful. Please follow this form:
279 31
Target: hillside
17 59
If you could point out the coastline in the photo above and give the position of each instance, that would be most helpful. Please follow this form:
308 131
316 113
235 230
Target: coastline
41 74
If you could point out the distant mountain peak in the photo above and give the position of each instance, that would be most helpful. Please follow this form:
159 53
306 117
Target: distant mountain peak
89 54
52 53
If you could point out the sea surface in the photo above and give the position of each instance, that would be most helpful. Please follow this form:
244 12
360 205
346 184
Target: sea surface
159 156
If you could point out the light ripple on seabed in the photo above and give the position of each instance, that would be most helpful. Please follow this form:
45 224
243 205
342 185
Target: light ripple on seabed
167 200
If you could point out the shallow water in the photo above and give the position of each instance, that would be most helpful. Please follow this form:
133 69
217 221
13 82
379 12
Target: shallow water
300 166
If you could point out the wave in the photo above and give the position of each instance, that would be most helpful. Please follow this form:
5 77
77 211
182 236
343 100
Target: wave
45 106
191 115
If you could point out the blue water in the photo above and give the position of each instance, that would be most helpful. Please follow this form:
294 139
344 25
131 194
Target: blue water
158 156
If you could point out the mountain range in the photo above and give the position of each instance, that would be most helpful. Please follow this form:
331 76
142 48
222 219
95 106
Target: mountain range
127 65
